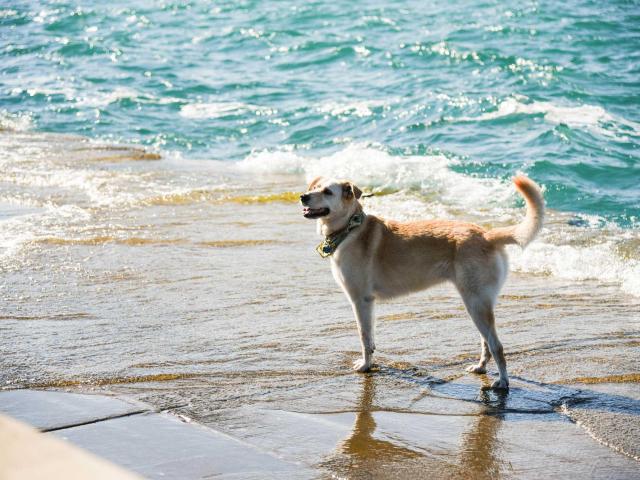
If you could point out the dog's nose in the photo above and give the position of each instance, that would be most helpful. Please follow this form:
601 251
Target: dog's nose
304 198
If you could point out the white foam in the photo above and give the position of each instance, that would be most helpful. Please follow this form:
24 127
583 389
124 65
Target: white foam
372 167
427 187
215 109
583 115
17 122
590 262
93 100
102 99
358 109
580 116
7 12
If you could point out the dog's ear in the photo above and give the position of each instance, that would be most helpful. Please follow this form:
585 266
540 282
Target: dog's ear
313 183
356 191
350 190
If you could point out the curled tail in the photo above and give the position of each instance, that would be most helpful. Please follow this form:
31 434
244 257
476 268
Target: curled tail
522 233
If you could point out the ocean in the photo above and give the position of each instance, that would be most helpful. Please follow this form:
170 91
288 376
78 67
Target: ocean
441 103
151 158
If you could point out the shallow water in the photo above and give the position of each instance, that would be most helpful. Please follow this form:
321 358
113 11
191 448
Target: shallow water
440 104
207 299
151 244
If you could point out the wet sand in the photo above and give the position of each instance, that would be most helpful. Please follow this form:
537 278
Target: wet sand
197 289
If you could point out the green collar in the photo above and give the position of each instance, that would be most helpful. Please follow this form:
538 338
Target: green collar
330 243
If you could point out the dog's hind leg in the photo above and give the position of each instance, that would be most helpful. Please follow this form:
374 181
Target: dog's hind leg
479 278
481 311
485 356
363 310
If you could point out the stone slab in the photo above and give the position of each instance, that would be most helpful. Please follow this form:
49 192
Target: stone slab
161 446
27 454
132 435
49 410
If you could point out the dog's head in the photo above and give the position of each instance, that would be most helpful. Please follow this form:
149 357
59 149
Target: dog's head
329 198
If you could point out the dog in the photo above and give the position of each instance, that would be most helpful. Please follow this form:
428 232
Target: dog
374 259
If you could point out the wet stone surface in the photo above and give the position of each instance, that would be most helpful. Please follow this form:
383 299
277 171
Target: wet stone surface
152 444
196 289
520 434
49 411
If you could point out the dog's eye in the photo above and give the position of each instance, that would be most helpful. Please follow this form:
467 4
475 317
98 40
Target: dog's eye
327 191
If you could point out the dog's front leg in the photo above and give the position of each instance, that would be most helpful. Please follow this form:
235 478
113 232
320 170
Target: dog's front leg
363 310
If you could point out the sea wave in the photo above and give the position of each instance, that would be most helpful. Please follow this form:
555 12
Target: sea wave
362 108
17 122
427 187
20 229
215 109
600 262
592 117
371 166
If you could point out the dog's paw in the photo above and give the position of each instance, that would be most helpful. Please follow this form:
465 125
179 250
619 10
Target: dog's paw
500 384
476 369
361 366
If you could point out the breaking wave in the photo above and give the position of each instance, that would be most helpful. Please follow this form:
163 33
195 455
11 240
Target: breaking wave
411 187
592 117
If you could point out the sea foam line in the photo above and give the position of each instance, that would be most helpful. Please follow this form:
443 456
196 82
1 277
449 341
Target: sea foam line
16 122
371 166
222 109
427 187
593 117
589 262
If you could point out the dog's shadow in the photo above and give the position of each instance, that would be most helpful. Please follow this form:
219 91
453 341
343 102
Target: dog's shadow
520 398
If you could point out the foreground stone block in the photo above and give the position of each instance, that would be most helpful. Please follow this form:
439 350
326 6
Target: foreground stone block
27 454
48 410
130 434
161 446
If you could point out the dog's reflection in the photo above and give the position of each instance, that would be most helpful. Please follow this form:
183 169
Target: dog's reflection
480 448
361 444
362 455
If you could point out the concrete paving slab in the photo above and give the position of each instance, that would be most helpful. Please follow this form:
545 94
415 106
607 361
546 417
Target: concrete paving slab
27 454
162 446
132 435
49 410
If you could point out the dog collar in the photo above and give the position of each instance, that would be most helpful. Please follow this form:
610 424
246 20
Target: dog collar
330 243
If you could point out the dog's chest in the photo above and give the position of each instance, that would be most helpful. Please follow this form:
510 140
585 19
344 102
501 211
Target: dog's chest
338 269
345 267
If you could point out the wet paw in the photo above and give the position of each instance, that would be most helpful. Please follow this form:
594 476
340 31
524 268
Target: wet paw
361 366
476 369
500 384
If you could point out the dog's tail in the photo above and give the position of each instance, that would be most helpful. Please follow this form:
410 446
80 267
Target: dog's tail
523 233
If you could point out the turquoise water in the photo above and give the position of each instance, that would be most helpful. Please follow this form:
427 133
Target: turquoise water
190 279
551 89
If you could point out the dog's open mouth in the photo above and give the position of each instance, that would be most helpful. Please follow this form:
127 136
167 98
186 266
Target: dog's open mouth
314 212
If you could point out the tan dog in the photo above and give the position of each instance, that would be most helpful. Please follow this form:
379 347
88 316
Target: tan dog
373 258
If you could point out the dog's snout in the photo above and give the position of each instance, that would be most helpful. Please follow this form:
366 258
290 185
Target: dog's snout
304 198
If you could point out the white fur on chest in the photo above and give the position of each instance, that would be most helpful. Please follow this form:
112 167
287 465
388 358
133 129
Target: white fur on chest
348 270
